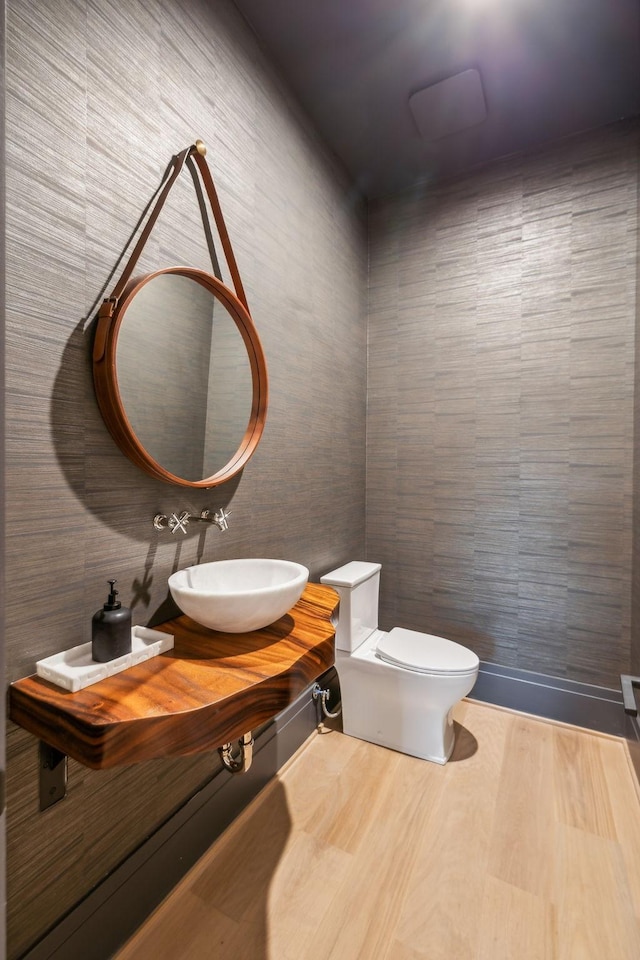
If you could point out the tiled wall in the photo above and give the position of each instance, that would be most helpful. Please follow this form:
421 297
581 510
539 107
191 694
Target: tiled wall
100 96
635 584
500 416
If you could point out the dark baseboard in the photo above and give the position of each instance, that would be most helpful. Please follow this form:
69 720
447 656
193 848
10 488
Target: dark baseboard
105 919
581 704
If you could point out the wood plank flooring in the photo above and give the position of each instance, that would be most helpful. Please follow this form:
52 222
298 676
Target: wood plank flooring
525 845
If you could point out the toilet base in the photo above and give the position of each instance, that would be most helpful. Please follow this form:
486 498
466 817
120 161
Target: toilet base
434 741
397 708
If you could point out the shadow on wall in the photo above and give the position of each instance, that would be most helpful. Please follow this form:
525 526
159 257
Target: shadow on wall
103 479
221 907
106 485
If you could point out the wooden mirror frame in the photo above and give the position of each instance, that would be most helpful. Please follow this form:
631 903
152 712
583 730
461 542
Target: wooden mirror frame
110 399
113 310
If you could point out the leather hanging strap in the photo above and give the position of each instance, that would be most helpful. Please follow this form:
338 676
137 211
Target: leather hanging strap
198 152
207 179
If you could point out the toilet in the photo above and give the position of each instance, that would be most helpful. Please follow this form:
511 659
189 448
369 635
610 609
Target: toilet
398 688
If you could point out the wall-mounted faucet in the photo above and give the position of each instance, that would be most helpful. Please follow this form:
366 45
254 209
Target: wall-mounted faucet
178 523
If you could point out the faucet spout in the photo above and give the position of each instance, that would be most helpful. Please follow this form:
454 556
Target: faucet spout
220 518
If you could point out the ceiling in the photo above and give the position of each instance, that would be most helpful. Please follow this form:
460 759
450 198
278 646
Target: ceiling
547 69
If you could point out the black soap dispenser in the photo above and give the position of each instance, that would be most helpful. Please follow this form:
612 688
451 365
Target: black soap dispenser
111 629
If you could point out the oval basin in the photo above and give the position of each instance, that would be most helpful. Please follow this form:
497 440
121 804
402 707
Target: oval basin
236 596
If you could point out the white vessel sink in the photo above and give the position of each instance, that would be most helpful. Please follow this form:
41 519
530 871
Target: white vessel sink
236 596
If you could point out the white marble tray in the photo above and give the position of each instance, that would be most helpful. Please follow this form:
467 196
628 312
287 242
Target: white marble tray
75 669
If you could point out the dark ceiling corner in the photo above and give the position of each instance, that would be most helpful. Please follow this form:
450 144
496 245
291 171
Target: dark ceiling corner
548 69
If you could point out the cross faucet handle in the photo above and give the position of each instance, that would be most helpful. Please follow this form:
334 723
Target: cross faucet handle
175 523
220 518
179 523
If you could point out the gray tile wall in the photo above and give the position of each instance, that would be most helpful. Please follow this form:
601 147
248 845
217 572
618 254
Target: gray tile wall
635 585
100 95
500 410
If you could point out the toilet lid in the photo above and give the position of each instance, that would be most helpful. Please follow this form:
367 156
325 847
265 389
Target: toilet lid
425 653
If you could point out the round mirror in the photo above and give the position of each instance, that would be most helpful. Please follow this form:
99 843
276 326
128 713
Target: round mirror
180 377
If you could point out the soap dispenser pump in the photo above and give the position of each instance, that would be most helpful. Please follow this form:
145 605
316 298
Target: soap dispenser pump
111 629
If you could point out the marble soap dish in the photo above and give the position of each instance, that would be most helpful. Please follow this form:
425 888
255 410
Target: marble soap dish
75 669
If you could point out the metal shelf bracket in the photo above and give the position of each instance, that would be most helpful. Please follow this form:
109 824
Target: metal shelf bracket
53 775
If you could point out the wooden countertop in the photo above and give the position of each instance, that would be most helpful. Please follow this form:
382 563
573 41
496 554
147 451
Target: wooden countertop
210 689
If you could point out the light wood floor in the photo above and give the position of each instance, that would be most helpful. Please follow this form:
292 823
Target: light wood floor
525 846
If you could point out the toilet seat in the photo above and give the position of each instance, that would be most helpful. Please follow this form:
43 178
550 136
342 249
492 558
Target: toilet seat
425 653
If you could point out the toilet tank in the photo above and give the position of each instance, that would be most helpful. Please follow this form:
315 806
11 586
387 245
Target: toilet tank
357 584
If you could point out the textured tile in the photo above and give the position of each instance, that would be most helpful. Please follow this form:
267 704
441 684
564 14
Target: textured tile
507 365
100 95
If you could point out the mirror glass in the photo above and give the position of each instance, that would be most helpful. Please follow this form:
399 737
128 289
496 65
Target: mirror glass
184 376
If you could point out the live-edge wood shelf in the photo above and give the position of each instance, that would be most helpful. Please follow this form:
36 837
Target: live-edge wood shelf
209 690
